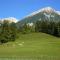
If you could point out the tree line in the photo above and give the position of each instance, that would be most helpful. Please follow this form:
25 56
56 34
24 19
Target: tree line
49 27
46 26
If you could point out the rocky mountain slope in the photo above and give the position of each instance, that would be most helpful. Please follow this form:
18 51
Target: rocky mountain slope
46 13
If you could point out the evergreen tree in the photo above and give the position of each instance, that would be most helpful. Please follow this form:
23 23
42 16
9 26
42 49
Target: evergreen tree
58 27
8 32
13 31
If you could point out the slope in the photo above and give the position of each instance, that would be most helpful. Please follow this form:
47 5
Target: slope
46 13
32 46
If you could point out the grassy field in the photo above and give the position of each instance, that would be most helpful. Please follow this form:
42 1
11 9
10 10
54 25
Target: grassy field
33 46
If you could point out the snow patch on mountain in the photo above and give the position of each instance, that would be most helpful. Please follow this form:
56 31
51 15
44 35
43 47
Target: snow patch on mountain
30 24
47 15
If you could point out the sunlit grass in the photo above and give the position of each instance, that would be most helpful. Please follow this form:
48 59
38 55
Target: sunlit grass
33 46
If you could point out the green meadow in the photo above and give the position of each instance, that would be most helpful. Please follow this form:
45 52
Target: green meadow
33 46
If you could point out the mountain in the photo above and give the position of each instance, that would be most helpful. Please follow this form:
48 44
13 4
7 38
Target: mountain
10 19
46 13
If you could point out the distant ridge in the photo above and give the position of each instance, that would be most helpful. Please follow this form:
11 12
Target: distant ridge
10 19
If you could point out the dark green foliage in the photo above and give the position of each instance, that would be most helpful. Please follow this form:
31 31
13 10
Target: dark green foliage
58 27
49 27
8 32
24 28
14 31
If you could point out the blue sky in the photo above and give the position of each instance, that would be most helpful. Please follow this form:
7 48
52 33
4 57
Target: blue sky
21 8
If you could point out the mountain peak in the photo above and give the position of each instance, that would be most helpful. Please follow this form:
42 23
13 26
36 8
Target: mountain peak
47 9
46 13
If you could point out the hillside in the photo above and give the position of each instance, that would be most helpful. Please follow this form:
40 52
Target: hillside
34 46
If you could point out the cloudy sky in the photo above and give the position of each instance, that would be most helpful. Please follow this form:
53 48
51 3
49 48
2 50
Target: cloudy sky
21 8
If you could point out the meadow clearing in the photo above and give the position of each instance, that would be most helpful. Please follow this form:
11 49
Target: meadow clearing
33 46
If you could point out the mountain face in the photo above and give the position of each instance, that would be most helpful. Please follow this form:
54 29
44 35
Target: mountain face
46 13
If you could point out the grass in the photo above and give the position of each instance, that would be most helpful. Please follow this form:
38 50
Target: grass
33 46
